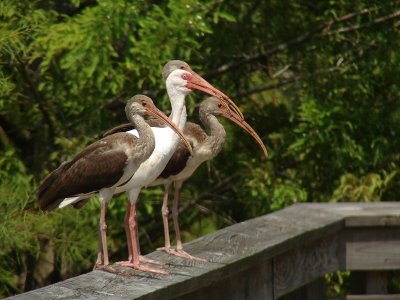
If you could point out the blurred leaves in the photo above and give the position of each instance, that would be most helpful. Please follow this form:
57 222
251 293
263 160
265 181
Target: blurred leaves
317 80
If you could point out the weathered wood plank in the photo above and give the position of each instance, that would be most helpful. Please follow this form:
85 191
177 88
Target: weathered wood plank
373 297
373 248
362 214
251 284
312 233
315 290
310 261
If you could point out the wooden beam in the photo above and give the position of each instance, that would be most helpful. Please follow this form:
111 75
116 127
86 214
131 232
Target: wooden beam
303 265
265 257
373 248
373 297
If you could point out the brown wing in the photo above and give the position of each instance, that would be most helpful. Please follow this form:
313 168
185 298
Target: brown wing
195 133
178 161
98 166
128 126
120 128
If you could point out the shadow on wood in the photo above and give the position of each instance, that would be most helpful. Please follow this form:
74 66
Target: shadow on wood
263 258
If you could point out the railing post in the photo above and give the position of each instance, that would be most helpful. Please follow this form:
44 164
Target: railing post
377 282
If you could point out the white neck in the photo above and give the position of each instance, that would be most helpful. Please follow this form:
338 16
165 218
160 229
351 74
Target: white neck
166 143
178 105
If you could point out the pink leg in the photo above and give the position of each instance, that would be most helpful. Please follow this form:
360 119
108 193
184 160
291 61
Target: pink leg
103 229
102 248
165 212
175 215
135 261
128 236
141 257
129 242
99 260
127 231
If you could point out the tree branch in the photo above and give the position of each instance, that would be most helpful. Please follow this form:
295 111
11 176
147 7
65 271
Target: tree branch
318 31
37 98
356 27
263 88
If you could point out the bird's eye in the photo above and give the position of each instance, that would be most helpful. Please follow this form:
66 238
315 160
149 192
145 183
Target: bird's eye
144 103
182 67
185 76
219 105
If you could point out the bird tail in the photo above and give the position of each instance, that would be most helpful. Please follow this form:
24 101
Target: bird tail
48 189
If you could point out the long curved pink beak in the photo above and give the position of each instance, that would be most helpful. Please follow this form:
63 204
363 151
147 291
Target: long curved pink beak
199 83
155 112
243 124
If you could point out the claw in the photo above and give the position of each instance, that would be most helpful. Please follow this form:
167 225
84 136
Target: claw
150 261
110 269
143 259
138 266
181 253
184 254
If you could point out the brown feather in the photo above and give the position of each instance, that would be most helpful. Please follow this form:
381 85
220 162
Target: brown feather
99 165
120 128
128 126
178 161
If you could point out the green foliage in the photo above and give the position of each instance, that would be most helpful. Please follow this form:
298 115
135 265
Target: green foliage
337 283
318 81
364 189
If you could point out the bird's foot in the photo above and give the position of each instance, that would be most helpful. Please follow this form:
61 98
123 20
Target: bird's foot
150 261
184 254
144 259
109 269
141 267
125 263
97 265
181 253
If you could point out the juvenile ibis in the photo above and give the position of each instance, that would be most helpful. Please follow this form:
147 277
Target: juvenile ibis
182 165
180 80
103 166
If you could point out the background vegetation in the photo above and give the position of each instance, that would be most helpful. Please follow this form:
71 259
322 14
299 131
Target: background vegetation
318 80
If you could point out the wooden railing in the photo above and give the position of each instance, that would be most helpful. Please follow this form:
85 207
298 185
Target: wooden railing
280 255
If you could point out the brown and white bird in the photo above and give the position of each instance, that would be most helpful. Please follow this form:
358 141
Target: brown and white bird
180 80
104 166
182 164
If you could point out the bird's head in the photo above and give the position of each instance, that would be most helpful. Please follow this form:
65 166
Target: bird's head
179 76
143 105
139 105
213 106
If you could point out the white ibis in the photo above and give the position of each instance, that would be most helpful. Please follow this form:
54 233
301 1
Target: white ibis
103 166
182 165
180 80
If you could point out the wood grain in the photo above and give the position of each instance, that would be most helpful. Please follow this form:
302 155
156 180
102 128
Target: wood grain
285 250
373 248
298 267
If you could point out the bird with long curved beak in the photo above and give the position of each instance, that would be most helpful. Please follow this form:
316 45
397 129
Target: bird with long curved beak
180 80
197 82
103 166
182 164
